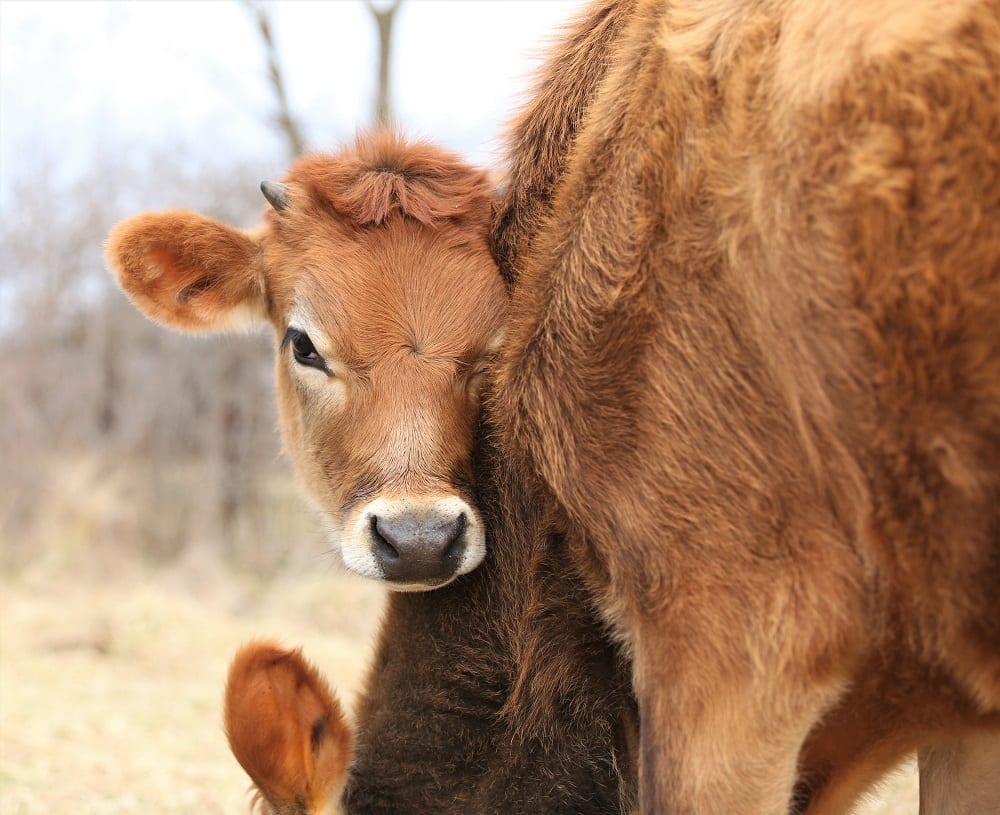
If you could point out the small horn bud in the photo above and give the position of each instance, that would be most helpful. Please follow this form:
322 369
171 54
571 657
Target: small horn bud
275 193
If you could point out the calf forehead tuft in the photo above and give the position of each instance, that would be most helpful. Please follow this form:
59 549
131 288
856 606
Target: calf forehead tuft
382 174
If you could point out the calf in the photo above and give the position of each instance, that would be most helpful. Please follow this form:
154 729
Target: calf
372 270
372 267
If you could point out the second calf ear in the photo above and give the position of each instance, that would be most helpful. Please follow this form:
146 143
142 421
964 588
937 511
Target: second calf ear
286 728
187 271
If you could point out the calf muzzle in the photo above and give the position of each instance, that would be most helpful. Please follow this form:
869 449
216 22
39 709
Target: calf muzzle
415 546
414 543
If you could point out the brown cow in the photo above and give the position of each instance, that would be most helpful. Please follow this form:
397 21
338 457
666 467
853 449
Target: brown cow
374 271
754 356
751 359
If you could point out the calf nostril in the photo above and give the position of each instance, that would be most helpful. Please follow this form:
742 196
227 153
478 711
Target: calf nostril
384 550
456 541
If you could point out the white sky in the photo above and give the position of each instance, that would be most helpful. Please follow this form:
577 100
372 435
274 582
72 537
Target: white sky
81 76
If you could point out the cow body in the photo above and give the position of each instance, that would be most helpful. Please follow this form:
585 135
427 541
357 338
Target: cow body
754 356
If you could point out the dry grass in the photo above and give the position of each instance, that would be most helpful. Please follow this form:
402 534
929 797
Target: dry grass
110 693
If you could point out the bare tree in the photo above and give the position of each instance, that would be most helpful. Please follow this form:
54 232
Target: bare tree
286 122
384 18
108 420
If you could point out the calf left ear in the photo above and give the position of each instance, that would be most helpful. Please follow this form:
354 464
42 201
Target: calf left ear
187 271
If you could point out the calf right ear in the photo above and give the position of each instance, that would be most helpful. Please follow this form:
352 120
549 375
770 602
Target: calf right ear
187 271
286 729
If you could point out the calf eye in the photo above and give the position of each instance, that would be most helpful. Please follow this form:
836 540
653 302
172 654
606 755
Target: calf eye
303 349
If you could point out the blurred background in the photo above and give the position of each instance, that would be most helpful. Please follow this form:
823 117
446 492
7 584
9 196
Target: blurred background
148 521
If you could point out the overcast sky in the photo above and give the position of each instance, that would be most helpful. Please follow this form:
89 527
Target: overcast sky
80 77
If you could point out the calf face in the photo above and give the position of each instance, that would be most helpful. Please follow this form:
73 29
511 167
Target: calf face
373 269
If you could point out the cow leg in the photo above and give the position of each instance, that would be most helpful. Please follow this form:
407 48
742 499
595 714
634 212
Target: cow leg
721 732
961 777
718 770
844 785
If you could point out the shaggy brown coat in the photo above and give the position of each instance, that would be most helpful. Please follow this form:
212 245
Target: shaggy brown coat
754 356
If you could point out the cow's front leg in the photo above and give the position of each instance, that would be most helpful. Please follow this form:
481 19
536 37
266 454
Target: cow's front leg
729 687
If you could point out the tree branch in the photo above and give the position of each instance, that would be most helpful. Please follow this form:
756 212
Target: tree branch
383 19
286 122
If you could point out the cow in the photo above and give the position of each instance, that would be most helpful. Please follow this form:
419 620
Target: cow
373 269
747 402
753 357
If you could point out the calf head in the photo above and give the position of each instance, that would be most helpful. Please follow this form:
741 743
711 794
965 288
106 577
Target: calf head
372 266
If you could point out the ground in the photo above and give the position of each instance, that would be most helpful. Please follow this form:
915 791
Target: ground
110 691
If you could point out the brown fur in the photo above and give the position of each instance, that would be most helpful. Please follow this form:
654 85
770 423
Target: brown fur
754 357
444 725
500 693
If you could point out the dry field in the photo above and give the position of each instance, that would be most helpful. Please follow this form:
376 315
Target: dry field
110 695
110 692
